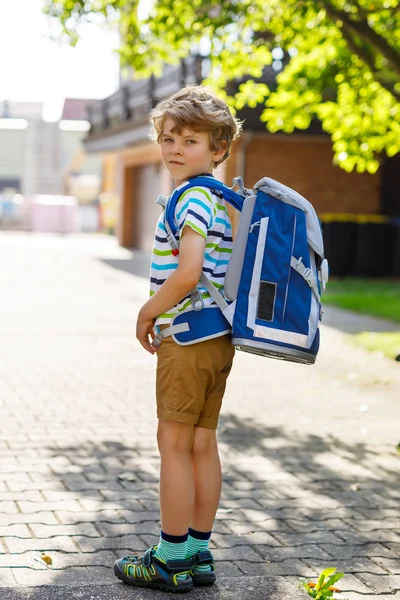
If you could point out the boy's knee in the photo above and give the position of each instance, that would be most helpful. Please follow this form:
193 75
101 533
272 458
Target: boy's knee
204 442
174 437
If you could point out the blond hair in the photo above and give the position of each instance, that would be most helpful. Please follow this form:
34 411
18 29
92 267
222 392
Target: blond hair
196 108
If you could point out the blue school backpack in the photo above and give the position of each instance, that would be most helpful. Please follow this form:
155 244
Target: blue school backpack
271 303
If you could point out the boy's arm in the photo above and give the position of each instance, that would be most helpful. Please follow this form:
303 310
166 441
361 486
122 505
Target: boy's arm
178 285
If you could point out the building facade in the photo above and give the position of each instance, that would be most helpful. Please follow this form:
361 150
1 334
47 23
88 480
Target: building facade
134 174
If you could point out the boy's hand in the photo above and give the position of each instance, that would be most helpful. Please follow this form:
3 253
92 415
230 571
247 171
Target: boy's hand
144 332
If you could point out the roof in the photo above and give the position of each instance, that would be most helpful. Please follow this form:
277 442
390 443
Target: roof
75 109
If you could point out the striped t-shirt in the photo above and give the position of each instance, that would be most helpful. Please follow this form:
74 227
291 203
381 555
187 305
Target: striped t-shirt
205 213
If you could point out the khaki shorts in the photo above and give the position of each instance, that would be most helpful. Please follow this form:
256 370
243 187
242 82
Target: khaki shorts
191 380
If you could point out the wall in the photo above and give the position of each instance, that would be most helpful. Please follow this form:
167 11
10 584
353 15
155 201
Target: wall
304 163
12 144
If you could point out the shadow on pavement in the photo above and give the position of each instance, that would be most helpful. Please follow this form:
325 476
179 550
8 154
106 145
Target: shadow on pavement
291 505
138 264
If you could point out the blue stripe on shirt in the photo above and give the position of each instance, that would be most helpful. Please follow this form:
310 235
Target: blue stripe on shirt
164 267
223 222
215 260
194 201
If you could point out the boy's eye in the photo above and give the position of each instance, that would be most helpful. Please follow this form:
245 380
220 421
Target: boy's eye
168 140
191 141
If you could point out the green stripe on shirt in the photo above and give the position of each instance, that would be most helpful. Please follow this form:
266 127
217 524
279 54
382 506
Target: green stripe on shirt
195 228
162 252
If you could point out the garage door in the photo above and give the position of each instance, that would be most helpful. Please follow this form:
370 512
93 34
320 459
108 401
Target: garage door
148 187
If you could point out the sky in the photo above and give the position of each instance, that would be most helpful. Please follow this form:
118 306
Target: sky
35 69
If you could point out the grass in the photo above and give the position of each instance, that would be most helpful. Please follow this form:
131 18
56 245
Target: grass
376 297
387 343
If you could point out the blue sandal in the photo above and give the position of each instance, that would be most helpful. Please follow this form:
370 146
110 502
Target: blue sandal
203 578
152 572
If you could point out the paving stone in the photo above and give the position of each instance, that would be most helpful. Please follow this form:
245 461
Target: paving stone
8 507
392 565
32 507
123 496
239 503
367 549
61 560
228 569
277 553
381 514
34 496
23 470
352 565
355 584
309 526
47 531
382 584
132 516
55 496
20 477
150 493
316 514
78 486
230 541
269 525
237 553
113 529
277 569
71 576
63 543
102 574
39 517
87 544
35 486
358 537
6 577
378 524
316 537
17 529
71 518
146 528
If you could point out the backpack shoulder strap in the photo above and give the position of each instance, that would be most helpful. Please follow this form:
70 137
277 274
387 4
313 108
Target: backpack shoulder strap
235 199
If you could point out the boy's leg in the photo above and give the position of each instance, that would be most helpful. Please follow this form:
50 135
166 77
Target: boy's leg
206 463
176 490
207 478
165 566
207 482
175 441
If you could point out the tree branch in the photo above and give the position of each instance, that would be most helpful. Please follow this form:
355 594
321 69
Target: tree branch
367 33
366 57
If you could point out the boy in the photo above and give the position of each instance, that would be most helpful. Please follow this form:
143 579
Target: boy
195 131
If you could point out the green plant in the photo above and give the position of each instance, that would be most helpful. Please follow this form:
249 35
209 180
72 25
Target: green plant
324 587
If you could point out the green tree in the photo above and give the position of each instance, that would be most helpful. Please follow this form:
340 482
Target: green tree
336 60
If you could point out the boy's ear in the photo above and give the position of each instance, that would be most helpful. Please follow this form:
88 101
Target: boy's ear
220 153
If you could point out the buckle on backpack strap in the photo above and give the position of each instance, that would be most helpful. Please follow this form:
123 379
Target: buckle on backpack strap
197 300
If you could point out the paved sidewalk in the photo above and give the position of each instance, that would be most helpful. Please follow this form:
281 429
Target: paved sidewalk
311 469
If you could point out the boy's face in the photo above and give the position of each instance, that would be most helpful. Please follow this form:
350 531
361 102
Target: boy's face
187 153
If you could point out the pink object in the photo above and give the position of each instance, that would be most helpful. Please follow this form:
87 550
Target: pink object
53 214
